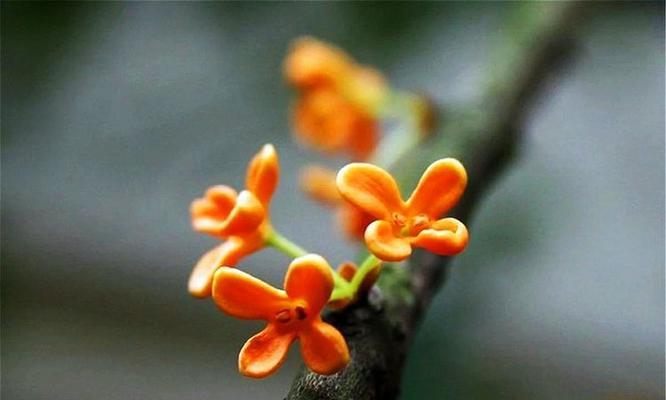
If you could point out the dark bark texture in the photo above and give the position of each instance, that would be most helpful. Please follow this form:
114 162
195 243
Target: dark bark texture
380 329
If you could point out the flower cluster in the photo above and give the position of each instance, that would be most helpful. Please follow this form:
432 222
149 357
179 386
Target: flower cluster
337 109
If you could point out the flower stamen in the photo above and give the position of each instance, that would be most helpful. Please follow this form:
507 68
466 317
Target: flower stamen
419 223
283 316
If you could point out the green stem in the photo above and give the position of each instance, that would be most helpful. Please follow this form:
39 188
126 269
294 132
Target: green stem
286 246
348 290
406 136
370 263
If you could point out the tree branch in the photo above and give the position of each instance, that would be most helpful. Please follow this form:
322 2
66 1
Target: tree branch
379 331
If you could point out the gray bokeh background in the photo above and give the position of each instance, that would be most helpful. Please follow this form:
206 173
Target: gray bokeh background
114 116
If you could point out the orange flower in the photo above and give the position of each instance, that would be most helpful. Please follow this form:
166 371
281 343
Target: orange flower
401 225
241 219
319 183
293 313
338 102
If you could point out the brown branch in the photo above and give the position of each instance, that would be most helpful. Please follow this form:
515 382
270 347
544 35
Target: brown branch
483 136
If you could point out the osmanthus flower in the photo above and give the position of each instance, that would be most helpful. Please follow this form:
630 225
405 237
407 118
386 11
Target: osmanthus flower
240 219
400 225
292 313
319 184
338 99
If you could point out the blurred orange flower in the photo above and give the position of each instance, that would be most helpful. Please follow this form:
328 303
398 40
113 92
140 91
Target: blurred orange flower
338 101
292 313
239 219
319 183
401 225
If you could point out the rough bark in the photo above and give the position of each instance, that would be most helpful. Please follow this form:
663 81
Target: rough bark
483 136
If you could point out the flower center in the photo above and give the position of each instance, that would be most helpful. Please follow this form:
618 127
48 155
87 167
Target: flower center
418 223
300 313
287 315
410 226
399 220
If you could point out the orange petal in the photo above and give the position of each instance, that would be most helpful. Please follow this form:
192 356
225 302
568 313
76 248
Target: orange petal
446 237
224 197
439 189
383 243
311 62
265 352
201 279
263 174
245 217
309 278
354 221
209 212
319 183
323 119
243 296
365 137
323 348
371 189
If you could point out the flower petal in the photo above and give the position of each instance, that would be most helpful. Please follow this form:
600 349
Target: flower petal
365 137
446 237
246 216
265 352
383 243
353 220
208 213
309 278
311 62
201 279
323 348
263 174
439 189
243 296
371 189
224 197
318 183
323 119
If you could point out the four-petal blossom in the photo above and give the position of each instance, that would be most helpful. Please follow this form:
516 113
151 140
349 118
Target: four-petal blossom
292 313
401 225
241 219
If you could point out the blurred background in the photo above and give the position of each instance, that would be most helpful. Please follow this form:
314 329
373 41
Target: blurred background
116 115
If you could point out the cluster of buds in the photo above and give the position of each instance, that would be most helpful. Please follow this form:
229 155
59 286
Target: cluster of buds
338 108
